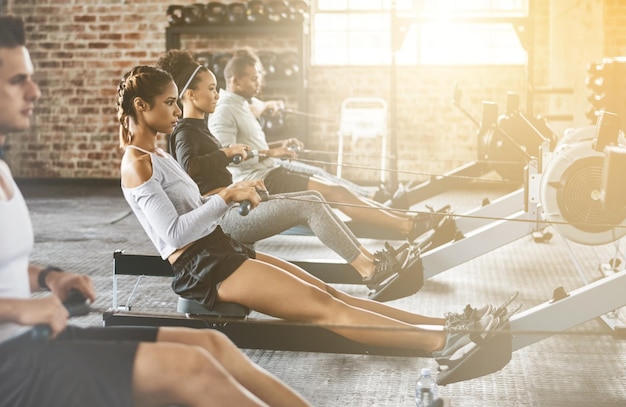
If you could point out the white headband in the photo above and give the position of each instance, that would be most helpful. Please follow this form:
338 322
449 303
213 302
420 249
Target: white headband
193 75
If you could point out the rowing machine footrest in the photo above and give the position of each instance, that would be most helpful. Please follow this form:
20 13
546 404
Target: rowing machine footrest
404 284
491 356
220 309
446 232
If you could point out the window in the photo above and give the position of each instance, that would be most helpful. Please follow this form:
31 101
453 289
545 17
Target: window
438 32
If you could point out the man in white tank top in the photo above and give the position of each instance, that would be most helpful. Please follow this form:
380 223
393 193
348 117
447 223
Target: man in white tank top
18 94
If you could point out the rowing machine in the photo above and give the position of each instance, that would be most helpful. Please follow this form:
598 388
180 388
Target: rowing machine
562 189
487 228
563 311
601 198
504 145
245 331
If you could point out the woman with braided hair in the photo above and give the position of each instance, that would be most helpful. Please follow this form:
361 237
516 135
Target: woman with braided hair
206 161
209 266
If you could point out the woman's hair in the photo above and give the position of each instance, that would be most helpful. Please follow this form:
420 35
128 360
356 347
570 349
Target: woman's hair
181 65
12 32
145 82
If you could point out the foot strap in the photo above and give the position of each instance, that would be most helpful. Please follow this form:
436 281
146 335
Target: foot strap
492 354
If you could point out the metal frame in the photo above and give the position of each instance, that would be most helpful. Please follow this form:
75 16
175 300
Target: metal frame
475 169
257 333
596 299
562 312
478 229
565 310
250 333
484 229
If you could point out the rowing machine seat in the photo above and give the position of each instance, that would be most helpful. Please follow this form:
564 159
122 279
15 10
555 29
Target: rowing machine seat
151 265
220 309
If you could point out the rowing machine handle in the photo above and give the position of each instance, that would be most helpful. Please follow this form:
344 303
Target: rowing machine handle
295 148
238 158
76 305
244 206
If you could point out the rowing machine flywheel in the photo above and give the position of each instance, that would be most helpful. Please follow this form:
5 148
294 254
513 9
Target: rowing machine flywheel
571 196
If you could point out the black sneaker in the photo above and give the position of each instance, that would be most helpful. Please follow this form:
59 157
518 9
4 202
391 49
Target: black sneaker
469 315
381 195
426 221
387 263
399 199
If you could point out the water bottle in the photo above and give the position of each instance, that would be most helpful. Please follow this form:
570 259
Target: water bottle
426 389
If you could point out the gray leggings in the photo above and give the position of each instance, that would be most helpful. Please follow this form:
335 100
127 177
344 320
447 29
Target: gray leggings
298 166
277 215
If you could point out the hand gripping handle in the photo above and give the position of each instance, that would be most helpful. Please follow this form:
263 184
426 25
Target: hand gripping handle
76 305
244 206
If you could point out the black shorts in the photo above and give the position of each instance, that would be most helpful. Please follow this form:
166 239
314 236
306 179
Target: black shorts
281 181
201 268
81 367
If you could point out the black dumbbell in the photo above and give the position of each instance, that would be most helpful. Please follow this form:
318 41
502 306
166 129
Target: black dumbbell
175 15
278 11
272 122
215 12
204 58
194 14
255 12
288 65
299 10
268 60
236 13
218 64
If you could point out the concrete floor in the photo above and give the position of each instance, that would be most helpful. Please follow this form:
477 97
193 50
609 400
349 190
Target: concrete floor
79 225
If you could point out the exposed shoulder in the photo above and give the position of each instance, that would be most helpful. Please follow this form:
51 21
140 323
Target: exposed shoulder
136 168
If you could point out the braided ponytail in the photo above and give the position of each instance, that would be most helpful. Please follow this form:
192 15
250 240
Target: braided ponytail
142 81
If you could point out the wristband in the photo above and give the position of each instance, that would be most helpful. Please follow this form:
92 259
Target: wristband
41 278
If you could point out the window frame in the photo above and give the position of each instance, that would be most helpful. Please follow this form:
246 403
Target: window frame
417 29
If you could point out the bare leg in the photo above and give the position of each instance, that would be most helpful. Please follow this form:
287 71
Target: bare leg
176 374
255 379
366 253
374 306
363 265
375 216
263 287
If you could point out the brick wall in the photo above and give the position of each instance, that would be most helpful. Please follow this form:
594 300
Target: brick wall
81 50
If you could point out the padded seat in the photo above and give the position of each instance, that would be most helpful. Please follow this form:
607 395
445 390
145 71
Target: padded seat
220 309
